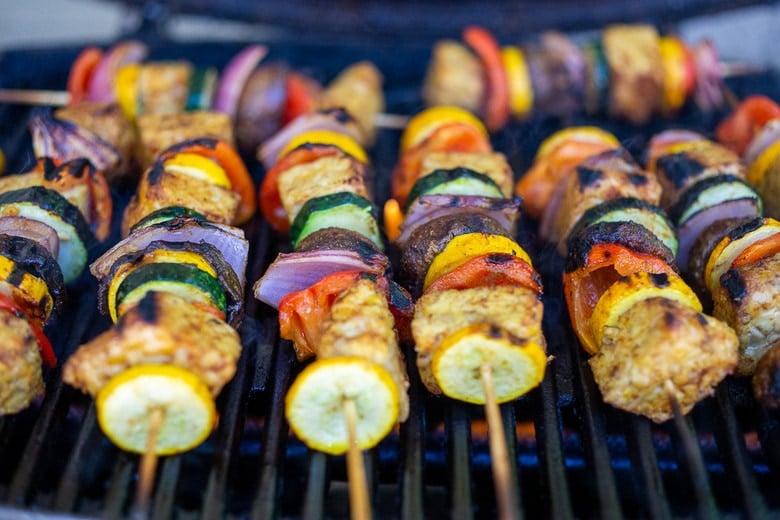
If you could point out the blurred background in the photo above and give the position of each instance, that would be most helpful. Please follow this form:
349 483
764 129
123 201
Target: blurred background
745 33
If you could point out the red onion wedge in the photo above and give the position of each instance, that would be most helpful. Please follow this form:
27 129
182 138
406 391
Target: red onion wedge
766 137
291 272
230 241
428 207
101 85
234 77
336 120
35 230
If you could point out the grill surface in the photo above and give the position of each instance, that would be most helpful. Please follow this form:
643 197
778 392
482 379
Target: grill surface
572 456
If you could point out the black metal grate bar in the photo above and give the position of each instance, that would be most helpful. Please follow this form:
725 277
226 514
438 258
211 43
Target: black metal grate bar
272 451
459 439
412 451
314 499
68 491
548 435
691 452
732 440
596 440
649 482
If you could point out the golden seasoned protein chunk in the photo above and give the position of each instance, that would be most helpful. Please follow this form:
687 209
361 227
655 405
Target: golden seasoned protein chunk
107 121
20 364
359 362
325 176
494 165
161 329
748 299
696 161
588 187
636 78
358 90
454 77
439 315
659 349
156 132
163 188
163 87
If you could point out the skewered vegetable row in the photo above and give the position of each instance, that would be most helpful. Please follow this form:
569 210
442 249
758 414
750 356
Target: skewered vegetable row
174 288
333 292
50 218
334 295
630 72
479 303
753 131
629 307
114 92
735 251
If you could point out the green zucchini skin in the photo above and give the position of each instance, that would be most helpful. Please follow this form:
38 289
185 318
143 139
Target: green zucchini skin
457 181
630 209
226 276
702 195
148 276
165 214
343 210
32 257
76 239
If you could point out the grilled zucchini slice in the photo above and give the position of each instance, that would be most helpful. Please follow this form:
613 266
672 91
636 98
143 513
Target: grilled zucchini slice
51 208
343 210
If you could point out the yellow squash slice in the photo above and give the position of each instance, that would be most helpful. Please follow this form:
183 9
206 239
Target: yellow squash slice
517 364
126 403
315 403
341 141
627 291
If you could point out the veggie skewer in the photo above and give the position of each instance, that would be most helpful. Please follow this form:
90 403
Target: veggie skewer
733 259
333 294
458 255
174 288
630 72
50 219
625 298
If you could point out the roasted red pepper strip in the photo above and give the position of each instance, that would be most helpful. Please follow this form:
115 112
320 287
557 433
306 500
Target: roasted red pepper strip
301 97
452 137
497 96
738 129
81 73
44 346
764 248
606 263
270 200
302 313
489 270
229 159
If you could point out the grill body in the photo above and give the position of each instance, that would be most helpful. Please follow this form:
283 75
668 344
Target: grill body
572 456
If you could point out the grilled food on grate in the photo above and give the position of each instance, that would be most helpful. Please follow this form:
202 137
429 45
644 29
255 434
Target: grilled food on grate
652 347
630 72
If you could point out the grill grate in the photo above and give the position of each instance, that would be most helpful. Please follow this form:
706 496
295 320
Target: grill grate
573 456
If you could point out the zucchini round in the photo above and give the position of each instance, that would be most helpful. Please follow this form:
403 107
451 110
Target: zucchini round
343 210
711 192
51 208
457 181
165 214
184 280
629 209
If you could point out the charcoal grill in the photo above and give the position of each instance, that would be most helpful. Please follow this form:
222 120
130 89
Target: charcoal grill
571 456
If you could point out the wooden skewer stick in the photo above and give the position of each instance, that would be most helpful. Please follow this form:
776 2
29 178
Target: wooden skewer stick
499 454
35 97
148 468
359 505
59 98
